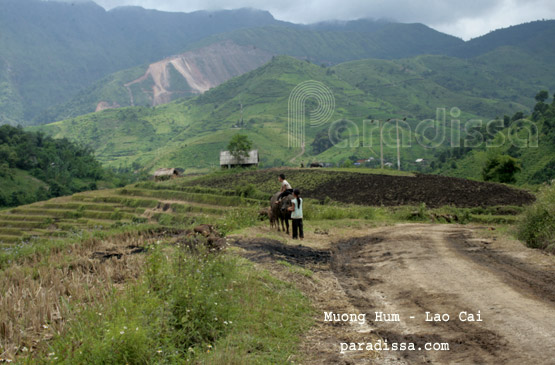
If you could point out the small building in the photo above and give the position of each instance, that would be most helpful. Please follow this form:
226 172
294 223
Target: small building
166 174
227 160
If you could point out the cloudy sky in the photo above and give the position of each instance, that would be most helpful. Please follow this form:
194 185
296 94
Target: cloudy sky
465 19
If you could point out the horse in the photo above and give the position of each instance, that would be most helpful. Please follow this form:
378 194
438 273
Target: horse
280 212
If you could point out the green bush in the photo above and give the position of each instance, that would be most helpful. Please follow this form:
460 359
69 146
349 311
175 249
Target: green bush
537 227
501 168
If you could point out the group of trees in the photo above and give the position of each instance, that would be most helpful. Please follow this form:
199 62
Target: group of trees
64 167
504 164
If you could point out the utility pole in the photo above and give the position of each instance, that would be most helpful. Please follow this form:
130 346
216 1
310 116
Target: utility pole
381 139
398 143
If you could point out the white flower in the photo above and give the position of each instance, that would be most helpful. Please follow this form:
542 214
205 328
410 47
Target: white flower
45 326
121 332
159 351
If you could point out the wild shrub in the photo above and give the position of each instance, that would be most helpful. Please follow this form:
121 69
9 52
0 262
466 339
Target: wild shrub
537 226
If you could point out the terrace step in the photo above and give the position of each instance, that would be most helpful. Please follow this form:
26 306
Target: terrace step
19 217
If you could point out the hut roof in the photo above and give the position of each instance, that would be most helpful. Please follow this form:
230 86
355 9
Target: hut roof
166 172
226 158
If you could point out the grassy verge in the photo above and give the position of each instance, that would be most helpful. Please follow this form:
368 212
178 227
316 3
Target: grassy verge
187 306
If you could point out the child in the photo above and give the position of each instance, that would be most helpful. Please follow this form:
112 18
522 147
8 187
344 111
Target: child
285 188
297 214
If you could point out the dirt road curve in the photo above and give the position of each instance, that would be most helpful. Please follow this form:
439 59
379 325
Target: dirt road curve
413 269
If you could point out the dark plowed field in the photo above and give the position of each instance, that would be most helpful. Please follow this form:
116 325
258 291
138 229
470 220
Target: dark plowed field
373 189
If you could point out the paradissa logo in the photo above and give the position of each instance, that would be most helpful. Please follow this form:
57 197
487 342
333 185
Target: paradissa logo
321 114
447 129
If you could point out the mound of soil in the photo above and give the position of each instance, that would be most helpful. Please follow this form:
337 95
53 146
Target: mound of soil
433 190
387 190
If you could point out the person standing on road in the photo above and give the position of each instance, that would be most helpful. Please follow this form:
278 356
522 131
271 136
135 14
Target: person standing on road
297 214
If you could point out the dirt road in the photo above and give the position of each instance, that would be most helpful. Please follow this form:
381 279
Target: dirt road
412 269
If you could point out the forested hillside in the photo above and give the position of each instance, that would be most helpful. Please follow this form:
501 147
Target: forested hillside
528 139
37 167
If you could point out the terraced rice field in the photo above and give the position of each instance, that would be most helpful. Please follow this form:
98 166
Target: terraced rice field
97 210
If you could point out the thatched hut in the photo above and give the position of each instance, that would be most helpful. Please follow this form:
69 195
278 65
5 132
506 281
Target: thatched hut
227 160
166 174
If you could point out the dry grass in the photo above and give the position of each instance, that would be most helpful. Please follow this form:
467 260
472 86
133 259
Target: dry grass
42 294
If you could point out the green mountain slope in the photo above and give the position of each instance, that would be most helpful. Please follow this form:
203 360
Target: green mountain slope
421 85
190 133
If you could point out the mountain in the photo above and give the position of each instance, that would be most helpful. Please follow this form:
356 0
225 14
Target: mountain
189 133
510 72
234 53
52 50
532 37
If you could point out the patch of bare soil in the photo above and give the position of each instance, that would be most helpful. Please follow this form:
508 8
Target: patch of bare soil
262 248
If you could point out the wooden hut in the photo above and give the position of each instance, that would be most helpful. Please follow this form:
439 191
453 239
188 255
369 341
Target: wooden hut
227 160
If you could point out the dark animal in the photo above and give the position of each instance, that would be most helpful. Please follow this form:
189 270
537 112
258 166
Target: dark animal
316 164
280 212
267 212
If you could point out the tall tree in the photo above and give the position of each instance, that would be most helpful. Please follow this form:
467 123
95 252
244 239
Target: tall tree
239 146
